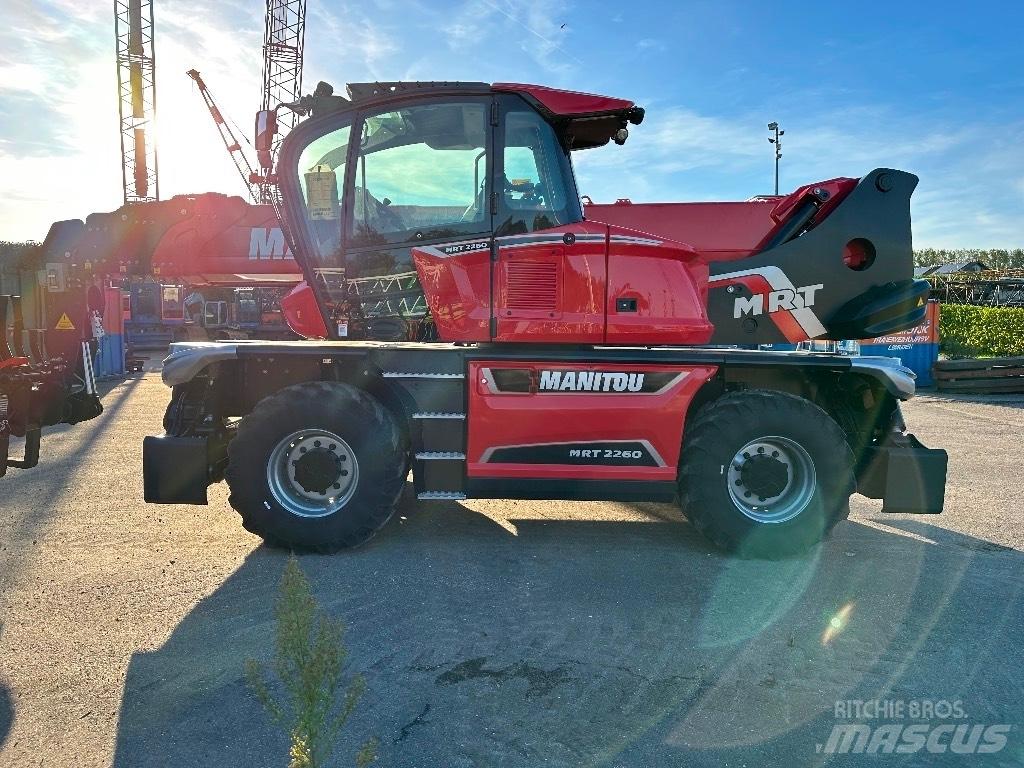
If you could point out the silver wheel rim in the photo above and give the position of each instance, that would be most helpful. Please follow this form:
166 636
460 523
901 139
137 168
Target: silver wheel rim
312 473
771 479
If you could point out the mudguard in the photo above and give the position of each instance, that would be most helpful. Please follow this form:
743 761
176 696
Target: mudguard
804 289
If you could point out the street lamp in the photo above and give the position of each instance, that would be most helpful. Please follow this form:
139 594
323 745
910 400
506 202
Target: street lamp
774 127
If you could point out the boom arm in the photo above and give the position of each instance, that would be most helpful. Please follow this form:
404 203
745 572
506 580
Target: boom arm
242 164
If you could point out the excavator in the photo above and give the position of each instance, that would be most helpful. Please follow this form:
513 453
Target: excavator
464 317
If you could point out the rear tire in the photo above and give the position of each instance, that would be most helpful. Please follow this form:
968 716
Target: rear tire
765 474
317 466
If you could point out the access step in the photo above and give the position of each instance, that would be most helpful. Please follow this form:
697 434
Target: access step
441 496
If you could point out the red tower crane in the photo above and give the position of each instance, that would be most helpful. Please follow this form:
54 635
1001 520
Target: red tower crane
234 148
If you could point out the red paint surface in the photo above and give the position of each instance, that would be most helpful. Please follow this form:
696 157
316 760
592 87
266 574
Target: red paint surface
669 282
720 231
458 291
580 275
510 419
566 103
302 314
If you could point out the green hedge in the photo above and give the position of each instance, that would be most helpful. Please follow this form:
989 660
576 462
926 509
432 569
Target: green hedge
969 331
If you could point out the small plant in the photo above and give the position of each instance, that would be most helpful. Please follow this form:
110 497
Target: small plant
308 660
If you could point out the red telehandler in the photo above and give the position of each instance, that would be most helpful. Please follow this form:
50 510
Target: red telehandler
464 316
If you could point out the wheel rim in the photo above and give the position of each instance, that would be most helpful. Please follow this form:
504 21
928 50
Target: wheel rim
771 479
312 473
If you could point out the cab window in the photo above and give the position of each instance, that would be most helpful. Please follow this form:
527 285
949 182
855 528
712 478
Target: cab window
420 174
535 182
321 176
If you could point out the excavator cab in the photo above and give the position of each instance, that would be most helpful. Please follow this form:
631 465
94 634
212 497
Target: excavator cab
449 211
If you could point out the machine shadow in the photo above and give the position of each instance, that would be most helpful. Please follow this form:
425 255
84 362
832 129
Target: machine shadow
6 713
60 473
588 642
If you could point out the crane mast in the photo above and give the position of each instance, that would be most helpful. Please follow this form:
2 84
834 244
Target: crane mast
234 148
283 38
136 87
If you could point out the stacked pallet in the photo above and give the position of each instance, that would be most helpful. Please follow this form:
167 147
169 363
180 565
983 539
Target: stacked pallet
993 374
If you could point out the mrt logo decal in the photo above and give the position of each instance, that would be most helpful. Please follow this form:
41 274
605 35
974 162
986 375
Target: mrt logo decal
774 294
266 243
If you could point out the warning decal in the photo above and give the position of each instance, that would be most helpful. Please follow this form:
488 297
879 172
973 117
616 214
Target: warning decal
64 324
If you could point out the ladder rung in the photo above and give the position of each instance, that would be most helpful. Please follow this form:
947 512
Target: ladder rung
441 495
433 415
401 375
441 456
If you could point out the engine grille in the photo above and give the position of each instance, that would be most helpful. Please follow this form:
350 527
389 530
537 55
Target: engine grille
532 285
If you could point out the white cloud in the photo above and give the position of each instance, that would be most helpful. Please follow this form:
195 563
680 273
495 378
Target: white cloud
60 156
971 176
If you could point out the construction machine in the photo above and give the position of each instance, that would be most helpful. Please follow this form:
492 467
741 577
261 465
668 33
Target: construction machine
201 247
39 389
466 318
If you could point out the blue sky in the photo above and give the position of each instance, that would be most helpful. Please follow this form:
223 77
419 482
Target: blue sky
936 88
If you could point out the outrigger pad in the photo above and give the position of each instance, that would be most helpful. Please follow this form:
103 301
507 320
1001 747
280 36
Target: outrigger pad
81 406
174 470
907 476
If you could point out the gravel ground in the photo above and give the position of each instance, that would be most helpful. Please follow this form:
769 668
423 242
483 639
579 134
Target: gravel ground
503 633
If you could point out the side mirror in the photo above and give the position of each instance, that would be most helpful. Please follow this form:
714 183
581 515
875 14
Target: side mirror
266 129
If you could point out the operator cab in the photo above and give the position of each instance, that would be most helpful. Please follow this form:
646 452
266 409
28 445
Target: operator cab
405 197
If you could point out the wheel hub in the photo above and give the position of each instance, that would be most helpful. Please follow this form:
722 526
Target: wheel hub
317 470
765 476
312 473
771 480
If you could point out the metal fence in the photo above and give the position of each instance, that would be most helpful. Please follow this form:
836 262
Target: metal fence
993 288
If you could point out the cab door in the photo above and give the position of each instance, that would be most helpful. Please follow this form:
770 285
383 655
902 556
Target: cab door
549 265
396 207
420 219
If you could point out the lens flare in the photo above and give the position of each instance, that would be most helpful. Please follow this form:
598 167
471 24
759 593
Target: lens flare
837 624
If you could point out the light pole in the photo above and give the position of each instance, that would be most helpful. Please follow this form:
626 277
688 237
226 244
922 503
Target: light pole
777 141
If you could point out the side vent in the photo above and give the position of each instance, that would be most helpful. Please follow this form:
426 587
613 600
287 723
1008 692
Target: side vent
532 286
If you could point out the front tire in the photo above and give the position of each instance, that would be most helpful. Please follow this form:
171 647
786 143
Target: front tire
765 474
317 466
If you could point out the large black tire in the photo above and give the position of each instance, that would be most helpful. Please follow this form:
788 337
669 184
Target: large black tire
808 506
374 445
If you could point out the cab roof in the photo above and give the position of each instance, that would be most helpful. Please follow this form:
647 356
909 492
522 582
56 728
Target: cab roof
554 101
586 119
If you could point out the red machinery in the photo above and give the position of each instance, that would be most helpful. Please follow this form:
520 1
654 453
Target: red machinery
200 241
209 239
39 389
448 213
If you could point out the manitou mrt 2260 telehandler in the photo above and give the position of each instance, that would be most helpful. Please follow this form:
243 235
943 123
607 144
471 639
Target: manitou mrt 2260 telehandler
466 317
